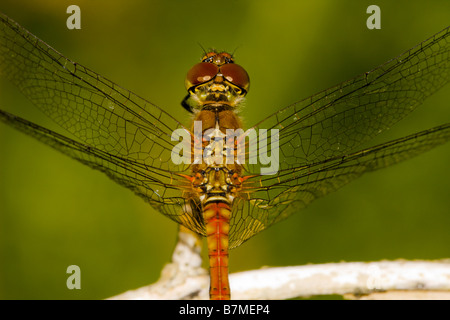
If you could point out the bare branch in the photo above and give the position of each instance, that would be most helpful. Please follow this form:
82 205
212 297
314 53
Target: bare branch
185 279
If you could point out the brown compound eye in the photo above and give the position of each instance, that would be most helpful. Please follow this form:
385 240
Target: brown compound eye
235 74
200 73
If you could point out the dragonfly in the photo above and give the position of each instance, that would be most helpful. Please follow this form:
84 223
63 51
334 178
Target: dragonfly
278 166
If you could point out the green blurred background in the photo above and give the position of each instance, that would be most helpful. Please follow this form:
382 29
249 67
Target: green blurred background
54 212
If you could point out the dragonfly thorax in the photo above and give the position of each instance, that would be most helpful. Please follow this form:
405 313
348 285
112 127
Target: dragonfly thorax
218 173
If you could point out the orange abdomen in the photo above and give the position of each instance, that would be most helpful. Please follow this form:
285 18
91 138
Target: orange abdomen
217 221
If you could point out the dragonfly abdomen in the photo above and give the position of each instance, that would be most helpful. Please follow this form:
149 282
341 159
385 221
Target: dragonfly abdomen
216 215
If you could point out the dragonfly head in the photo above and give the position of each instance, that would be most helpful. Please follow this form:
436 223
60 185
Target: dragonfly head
215 80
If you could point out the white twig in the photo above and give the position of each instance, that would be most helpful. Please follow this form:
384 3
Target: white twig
376 280
356 278
185 279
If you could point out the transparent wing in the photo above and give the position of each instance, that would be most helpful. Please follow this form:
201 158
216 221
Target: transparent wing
338 120
122 134
317 134
258 207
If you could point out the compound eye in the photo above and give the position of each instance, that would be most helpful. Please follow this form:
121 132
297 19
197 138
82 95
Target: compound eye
200 73
237 75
